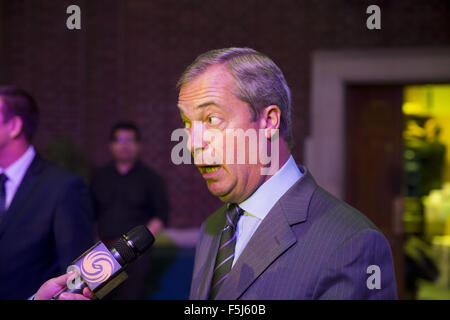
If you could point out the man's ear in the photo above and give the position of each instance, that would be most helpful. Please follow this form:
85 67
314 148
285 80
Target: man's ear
16 127
270 120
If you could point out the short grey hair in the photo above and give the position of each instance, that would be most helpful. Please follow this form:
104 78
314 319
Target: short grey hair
259 81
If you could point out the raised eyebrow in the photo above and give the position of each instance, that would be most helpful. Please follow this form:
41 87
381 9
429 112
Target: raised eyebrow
206 104
200 106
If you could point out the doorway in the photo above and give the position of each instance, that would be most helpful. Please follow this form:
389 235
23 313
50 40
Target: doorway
373 175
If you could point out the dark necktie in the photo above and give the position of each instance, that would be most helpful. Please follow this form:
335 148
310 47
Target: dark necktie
3 179
225 255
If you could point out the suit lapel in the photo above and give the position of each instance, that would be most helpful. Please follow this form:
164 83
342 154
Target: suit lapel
210 247
273 237
26 187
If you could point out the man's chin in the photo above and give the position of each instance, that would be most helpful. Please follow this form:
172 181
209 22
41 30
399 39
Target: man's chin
219 191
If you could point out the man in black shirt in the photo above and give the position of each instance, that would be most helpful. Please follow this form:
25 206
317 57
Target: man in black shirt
127 193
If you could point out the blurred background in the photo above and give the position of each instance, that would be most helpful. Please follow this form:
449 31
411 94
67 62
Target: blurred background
371 108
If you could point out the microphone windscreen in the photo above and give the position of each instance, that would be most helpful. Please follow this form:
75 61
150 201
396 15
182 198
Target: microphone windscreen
141 237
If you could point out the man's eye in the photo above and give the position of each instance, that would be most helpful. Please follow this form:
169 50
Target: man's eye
213 120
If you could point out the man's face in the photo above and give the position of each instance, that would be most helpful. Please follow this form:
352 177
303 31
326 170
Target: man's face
5 128
208 103
125 148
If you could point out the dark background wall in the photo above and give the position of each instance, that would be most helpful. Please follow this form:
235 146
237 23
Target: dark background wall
125 61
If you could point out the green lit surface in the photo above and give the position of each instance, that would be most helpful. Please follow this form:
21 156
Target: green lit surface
431 291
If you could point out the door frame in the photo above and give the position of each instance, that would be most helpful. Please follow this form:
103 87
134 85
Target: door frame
331 70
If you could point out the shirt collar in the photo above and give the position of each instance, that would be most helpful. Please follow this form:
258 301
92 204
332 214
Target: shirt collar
18 168
264 198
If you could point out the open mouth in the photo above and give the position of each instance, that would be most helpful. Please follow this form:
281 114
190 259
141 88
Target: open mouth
208 169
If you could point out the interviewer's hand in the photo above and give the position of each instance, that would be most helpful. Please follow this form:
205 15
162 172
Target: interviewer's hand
51 287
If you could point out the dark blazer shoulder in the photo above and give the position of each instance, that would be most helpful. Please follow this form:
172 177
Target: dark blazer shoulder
316 214
344 216
52 171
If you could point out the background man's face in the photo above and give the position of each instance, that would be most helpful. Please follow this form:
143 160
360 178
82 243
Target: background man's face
4 128
125 148
210 101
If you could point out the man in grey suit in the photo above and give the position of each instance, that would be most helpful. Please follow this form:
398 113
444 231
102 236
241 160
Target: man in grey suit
279 235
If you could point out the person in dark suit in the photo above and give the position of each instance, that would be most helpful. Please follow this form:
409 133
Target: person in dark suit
45 211
279 235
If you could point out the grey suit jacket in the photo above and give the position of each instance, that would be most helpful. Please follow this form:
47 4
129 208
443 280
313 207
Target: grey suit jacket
310 245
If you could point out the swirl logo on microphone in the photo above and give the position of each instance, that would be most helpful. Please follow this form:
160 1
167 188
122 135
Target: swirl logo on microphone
97 267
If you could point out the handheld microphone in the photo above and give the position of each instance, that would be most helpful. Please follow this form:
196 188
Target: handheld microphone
101 270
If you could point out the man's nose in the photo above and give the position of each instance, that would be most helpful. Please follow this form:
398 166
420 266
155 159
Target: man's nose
197 143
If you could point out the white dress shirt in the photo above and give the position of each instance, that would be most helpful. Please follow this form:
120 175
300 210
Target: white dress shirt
15 173
258 205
